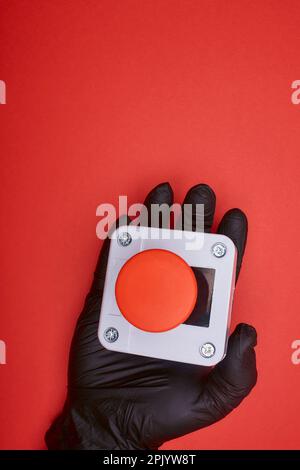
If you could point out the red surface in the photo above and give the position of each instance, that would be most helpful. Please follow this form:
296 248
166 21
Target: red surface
107 98
156 290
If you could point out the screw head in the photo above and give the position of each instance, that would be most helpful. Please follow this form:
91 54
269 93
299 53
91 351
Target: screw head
219 250
207 350
124 239
111 334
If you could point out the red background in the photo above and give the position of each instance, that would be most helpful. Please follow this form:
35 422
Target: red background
112 97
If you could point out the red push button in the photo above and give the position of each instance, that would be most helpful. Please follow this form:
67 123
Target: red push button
156 290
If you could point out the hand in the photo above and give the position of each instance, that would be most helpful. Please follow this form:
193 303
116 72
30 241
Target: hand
123 401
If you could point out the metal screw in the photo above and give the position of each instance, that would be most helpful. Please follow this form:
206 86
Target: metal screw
124 239
207 350
111 335
219 250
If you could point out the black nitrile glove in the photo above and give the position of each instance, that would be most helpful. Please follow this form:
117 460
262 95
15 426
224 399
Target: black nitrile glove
124 401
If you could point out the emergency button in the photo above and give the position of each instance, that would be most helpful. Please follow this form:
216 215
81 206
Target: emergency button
156 290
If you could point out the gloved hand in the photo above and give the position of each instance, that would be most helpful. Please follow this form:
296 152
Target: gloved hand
124 401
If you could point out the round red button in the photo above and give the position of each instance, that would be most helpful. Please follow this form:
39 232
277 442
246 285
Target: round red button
156 290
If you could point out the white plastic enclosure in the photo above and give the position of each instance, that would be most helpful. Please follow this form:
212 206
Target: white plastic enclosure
185 342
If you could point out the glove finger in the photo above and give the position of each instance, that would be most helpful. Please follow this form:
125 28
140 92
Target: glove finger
161 195
192 215
234 225
232 379
161 198
99 274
